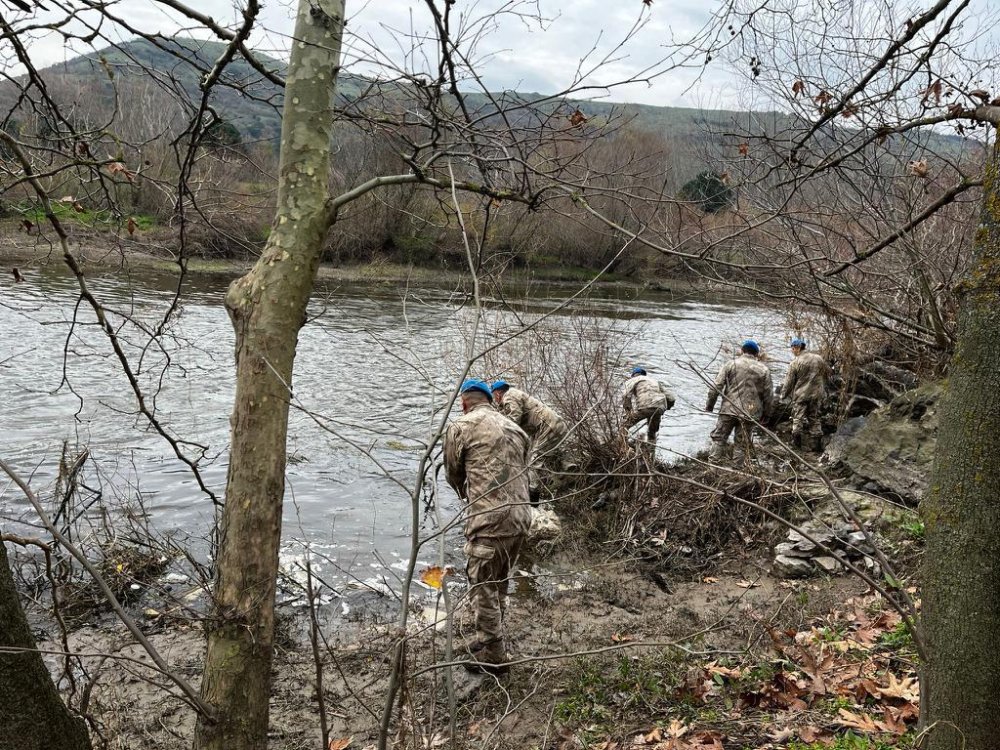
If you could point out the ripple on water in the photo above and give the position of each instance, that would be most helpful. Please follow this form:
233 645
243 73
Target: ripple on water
373 368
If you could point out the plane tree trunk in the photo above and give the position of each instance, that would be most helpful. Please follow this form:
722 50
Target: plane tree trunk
267 307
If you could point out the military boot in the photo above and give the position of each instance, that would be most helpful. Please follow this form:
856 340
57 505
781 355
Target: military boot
719 451
487 657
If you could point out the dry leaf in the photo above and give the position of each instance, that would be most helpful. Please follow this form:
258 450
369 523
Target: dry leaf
919 168
799 87
907 689
782 735
744 149
709 579
708 740
892 722
648 738
810 734
677 728
713 668
117 167
577 118
747 584
340 744
934 90
434 576
861 722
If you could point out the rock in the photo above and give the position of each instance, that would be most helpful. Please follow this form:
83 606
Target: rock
792 567
800 542
861 406
820 532
787 549
883 382
828 564
834 453
895 447
859 540
871 566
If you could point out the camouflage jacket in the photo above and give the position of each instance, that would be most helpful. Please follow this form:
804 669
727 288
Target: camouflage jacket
643 392
806 378
745 387
485 460
528 413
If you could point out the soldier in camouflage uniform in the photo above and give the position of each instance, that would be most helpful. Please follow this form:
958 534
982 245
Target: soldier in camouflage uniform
805 383
745 387
646 398
544 427
485 459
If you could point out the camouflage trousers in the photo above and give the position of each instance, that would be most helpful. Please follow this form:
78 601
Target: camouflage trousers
491 561
652 417
546 451
805 418
724 427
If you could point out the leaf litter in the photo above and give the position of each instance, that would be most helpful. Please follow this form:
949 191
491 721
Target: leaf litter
846 672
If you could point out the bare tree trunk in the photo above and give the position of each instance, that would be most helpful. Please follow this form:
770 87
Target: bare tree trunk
267 307
32 715
962 513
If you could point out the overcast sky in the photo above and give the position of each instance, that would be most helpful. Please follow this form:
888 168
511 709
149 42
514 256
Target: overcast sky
515 53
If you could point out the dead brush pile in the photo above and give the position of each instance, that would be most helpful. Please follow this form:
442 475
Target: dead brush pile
676 518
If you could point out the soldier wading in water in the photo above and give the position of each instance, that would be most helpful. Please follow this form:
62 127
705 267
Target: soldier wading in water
805 383
745 387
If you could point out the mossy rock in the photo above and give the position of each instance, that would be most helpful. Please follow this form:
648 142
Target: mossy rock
895 448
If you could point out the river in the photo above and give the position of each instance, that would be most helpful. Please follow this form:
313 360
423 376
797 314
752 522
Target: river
375 364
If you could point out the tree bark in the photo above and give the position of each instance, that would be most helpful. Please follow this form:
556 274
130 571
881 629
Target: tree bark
32 715
267 307
961 594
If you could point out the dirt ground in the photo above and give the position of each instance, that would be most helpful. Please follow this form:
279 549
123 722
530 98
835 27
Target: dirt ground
566 630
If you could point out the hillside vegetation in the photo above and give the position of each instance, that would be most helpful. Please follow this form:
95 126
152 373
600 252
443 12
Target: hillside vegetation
138 103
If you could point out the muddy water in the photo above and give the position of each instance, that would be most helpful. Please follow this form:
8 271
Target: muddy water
375 363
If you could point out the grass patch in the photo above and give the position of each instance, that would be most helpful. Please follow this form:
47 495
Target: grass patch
898 638
914 528
94 218
608 692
